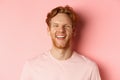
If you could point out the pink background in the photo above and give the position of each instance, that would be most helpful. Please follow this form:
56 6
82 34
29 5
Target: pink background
23 34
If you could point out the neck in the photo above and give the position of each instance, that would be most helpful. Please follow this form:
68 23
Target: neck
61 54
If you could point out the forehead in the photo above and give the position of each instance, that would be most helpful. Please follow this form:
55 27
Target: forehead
61 18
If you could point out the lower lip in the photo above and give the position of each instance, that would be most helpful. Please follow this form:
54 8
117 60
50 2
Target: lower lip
60 38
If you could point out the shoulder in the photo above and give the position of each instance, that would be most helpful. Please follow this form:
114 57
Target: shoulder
84 60
38 59
90 67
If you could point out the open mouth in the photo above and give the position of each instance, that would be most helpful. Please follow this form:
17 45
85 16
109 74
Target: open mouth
60 37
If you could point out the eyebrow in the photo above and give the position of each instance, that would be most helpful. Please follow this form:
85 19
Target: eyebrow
58 23
55 23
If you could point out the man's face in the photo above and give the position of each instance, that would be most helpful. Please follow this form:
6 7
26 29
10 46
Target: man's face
61 31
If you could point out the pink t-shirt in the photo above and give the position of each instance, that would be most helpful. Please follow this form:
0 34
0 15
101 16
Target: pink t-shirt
46 67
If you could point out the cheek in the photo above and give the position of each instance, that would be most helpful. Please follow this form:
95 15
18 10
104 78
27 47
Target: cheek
70 31
52 31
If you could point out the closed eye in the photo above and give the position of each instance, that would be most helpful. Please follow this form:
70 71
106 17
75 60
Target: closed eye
55 25
68 26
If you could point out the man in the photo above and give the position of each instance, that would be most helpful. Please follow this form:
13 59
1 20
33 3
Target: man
61 62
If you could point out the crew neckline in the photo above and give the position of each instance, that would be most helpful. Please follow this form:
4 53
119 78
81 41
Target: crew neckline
61 61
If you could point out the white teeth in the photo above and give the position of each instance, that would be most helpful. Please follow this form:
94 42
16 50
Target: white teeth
60 36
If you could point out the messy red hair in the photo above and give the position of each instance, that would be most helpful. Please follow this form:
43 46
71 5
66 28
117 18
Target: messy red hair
66 10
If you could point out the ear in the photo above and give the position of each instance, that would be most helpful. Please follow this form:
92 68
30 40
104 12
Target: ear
48 30
74 31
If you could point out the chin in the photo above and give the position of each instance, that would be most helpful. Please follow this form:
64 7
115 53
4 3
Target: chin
61 46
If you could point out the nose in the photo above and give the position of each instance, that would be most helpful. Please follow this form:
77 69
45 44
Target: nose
61 29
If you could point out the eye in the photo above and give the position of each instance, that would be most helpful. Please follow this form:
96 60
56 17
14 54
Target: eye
68 26
55 25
